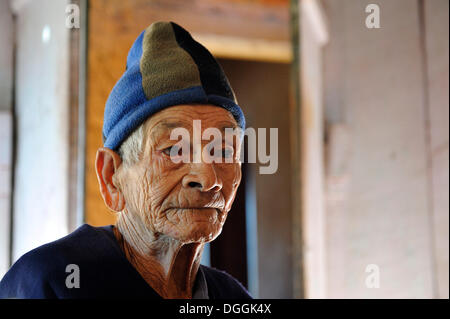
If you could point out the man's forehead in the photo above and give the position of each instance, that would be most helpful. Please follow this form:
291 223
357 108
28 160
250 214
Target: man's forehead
170 124
184 116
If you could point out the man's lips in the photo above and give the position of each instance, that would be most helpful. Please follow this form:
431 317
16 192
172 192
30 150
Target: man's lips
208 207
218 209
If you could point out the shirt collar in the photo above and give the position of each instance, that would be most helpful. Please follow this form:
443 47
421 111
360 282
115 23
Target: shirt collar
200 290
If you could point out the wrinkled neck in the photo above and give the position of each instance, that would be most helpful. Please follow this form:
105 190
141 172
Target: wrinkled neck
166 264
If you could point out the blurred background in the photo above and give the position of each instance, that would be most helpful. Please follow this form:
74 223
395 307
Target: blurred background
359 205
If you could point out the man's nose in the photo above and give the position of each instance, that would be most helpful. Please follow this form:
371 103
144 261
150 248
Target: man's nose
203 177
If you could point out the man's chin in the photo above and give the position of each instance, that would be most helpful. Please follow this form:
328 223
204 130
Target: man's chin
198 232
195 224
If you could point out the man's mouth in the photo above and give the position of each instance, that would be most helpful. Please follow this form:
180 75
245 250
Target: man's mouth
218 210
195 208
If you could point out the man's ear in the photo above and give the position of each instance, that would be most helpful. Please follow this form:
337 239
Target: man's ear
107 163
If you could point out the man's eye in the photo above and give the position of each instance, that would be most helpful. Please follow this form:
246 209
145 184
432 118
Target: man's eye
227 153
221 152
174 149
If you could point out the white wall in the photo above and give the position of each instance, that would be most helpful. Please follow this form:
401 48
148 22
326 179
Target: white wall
41 172
387 165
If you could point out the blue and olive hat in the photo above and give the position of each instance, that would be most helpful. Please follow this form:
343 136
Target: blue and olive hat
165 67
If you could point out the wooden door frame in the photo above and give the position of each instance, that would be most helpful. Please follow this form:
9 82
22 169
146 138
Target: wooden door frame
308 215
77 119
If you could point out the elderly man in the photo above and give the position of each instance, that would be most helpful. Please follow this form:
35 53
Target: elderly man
168 205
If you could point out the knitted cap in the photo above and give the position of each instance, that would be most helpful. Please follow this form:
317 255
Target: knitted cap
165 67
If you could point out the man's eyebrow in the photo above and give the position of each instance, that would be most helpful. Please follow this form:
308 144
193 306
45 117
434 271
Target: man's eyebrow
159 129
227 125
170 124
175 124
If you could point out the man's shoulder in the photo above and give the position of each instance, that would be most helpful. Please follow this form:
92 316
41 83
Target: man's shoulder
85 243
222 285
34 274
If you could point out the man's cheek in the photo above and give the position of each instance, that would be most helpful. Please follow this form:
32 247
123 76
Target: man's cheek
142 191
133 191
154 181
229 193
162 194
233 178
231 190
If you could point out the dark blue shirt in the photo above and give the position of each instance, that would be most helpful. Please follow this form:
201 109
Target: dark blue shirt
104 271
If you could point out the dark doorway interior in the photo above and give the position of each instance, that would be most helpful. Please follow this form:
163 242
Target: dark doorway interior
256 242
228 251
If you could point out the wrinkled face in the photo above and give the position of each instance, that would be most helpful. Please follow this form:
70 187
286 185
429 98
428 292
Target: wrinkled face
185 201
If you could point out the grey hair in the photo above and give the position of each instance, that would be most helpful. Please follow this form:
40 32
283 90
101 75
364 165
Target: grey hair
131 149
